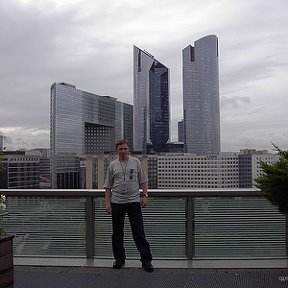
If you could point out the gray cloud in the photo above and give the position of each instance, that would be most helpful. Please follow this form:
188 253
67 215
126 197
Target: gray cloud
89 44
234 102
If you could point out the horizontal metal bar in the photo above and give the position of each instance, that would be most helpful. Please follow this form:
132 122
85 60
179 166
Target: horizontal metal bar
233 192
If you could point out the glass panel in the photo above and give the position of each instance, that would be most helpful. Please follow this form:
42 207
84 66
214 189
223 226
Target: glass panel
164 221
223 227
47 225
244 227
103 229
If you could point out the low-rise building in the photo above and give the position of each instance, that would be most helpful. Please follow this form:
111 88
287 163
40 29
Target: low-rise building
196 171
21 171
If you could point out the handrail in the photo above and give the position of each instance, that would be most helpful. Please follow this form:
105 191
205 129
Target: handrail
209 192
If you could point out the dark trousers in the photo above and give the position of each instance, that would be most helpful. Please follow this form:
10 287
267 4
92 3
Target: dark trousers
136 222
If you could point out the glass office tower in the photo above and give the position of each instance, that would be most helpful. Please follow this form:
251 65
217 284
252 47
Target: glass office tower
201 97
151 102
83 123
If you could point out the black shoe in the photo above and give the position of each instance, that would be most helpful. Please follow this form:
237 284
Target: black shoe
118 263
148 267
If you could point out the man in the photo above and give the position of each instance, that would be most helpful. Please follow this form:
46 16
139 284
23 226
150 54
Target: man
125 176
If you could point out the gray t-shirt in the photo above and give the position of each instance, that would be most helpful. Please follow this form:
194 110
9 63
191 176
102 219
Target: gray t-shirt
125 178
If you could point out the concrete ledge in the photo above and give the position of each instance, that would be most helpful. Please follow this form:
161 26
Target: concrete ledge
265 263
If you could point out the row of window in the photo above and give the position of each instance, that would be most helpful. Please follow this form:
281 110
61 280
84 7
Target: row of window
199 161
205 171
24 159
199 180
196 186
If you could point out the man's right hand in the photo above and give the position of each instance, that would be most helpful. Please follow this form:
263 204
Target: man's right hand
109 209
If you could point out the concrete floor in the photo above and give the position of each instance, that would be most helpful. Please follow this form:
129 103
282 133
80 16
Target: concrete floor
86 277
204 273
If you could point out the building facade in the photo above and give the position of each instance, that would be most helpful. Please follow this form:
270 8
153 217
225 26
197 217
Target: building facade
201 97
21 171
249 165
83 123
198 171
151 102
44 166
188 171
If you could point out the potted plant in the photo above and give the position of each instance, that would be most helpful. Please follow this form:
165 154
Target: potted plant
6 250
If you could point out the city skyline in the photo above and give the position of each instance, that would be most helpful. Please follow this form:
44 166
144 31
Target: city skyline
94 47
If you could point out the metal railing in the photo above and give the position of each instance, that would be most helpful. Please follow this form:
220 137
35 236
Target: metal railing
179 224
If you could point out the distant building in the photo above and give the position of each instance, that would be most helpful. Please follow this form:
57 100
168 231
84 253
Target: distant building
83 123
249 165
170 147
186 170
44 166
180 171
151 102
201 97
198 171
153 171
21 171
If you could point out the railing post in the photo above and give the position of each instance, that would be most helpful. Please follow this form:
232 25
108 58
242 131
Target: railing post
90 231
190 243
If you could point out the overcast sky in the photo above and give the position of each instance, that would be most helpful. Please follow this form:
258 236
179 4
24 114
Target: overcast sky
89 43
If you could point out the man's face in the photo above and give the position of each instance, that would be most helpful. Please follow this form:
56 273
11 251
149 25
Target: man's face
123 151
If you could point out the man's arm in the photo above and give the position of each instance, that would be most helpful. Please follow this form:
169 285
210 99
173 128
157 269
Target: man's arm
144 198
107 200
144 188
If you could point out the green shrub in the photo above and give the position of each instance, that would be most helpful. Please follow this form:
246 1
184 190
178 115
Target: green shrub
273 181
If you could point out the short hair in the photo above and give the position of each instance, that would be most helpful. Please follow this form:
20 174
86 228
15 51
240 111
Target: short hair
121 142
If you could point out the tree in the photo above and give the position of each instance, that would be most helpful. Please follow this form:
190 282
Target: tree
273 181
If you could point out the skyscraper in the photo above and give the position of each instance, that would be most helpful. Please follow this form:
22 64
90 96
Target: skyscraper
151 102
83 123
201 97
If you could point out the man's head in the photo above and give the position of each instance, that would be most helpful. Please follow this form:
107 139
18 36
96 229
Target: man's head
122 148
